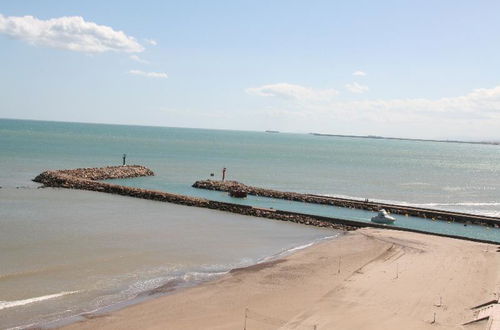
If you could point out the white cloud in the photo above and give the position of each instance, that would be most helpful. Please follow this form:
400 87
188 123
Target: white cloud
151 42
478 105
359 73
138 59
356 88
162 75
294 92
70 33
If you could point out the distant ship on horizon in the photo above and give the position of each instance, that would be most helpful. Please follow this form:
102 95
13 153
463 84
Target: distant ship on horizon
269 131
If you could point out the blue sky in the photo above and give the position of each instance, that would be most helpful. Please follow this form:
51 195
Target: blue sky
396 68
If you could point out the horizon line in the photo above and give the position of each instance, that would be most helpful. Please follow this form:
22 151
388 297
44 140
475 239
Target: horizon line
366 136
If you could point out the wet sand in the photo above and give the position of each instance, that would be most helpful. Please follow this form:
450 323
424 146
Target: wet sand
368 279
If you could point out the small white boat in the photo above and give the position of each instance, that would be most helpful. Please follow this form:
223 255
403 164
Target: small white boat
383 217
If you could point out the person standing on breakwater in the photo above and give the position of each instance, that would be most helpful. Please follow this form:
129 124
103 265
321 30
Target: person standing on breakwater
223 174
124 157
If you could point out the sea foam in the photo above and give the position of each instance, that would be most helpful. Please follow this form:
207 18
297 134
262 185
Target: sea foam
16 303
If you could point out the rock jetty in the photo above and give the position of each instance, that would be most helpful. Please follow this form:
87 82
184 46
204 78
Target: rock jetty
96 173
88 179
350 203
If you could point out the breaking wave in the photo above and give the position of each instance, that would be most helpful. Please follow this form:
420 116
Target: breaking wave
471 207
287 252
16 303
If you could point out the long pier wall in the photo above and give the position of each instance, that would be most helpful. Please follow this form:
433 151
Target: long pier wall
350 203
87 179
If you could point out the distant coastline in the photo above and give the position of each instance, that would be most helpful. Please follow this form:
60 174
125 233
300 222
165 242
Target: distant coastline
406 139
239 130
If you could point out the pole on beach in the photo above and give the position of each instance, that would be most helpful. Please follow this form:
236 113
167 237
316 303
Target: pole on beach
340 258
397 272
245 324
434 320
124 157
440 302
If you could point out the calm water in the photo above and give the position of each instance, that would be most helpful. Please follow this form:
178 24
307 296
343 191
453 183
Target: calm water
63 252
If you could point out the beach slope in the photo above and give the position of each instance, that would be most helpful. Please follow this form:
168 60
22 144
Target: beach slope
367 279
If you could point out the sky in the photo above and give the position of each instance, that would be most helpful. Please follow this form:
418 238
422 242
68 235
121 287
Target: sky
418 69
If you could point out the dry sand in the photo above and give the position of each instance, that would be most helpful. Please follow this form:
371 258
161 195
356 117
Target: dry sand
387 280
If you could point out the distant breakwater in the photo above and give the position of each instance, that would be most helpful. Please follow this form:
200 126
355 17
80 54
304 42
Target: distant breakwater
350 203
88 179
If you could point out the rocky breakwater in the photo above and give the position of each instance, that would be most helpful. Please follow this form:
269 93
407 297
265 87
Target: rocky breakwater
350 203
96 173
235 185
88 179
109 172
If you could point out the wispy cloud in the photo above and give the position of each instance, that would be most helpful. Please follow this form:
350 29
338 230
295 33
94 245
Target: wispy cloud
481 102
68 32
151 42
478 104
294 92
138 59
162 75
356 88
359 73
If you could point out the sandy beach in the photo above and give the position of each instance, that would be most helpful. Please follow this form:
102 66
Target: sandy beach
367 279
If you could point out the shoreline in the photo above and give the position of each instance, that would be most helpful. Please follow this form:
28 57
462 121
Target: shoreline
384 246
365 279
171 287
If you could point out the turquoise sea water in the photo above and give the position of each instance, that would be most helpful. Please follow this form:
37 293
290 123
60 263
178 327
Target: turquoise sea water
97 249
462 177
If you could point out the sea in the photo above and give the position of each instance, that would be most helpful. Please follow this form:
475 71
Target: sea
67 253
